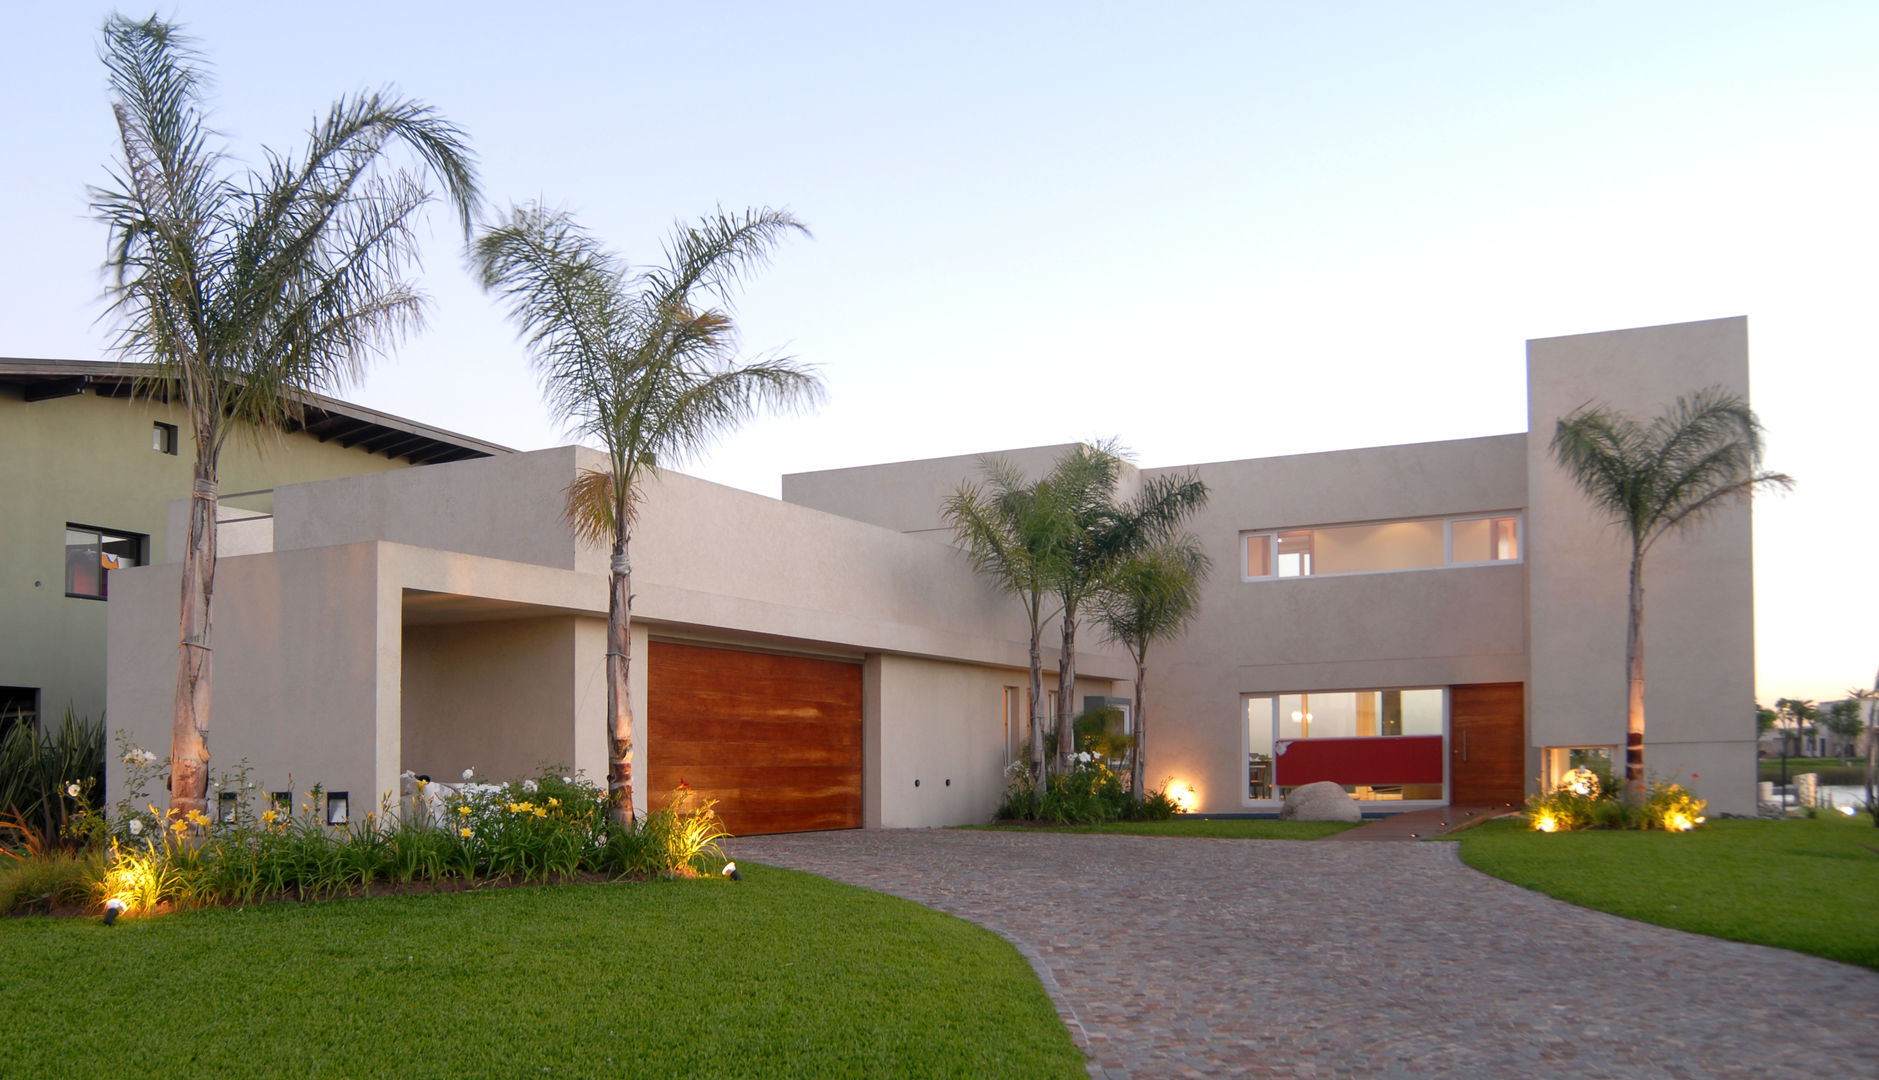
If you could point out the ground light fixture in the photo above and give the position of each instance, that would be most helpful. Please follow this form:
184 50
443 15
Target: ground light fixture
730 871
112 908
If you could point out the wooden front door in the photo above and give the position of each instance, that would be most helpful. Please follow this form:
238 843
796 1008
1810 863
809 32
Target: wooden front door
1487 744
775 739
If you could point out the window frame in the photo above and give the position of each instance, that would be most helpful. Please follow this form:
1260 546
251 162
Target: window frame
1271 538
142 556
1276 800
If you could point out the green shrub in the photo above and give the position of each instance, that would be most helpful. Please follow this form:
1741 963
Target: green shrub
55 877
546 828
46 776
1591 799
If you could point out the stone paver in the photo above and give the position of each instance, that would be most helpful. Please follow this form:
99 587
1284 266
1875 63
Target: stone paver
1190 957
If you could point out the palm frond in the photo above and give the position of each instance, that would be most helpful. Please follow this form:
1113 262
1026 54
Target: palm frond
1699 454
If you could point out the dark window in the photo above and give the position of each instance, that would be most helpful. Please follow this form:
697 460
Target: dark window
92 553
18 705
163 437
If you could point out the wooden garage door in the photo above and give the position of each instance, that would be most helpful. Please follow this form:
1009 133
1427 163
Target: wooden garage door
775 739
1487 744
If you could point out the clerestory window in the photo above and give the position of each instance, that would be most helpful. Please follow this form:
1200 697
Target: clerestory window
1377 547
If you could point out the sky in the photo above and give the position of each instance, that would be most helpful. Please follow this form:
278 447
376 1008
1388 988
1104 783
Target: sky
1217 231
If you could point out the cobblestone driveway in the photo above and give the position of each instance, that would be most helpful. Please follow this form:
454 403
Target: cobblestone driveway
1190 957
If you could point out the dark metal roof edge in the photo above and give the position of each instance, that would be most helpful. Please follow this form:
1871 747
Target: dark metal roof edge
119 371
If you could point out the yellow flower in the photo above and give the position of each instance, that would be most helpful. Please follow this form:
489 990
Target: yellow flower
464 811
268 816
540 811
465 832
554 801
180 828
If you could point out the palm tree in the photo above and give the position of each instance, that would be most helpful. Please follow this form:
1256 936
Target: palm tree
1098 536
1702 453
1010 535
245 290
640 361
1152 597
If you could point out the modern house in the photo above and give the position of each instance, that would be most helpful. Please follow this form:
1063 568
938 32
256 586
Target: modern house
1425 624
89 469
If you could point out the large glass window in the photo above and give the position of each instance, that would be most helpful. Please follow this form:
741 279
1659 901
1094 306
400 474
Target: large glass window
1380 546
90 556
1271 720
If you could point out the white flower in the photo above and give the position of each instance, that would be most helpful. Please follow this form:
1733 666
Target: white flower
528 786
136 827
469 774
567 779
72 790
148 756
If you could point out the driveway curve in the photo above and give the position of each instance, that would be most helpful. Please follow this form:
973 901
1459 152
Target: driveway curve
1198 957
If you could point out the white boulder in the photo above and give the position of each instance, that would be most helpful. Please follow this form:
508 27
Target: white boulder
1322 801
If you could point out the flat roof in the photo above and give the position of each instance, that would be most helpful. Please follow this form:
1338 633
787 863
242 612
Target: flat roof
326 419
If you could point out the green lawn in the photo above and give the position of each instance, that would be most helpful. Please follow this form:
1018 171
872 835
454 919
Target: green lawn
1229 828
784 975
1807 885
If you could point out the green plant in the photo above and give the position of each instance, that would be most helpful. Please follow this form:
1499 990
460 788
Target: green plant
1590 798
644 364
46 777
49 879
247 288
1654 480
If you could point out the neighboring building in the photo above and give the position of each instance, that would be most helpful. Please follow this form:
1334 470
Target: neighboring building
1441 622
87 472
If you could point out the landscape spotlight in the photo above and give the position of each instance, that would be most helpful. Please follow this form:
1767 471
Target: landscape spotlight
111 909
730 871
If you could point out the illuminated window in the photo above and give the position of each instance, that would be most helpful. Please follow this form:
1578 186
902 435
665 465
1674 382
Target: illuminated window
1271 721
1378 547
90 556
1493 539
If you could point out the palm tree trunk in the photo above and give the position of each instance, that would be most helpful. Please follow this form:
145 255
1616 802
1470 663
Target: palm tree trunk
1066 687
1036 705
1138 767
189 725
1634 686
619 691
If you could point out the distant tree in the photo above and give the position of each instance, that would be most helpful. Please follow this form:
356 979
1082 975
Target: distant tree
1151 597
246 290
1012 532
1799 715
1766 719
1843 721
1654 480
641 362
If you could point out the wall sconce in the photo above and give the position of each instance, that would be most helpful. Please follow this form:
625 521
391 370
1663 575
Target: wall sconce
225 807
336 808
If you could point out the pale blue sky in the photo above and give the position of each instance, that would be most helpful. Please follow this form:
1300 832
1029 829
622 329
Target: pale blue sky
1218 230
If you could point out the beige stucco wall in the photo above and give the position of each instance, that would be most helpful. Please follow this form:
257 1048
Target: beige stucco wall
492 695
940 724
1433 627
906 496
296 669
87 460
1699 601
450 643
